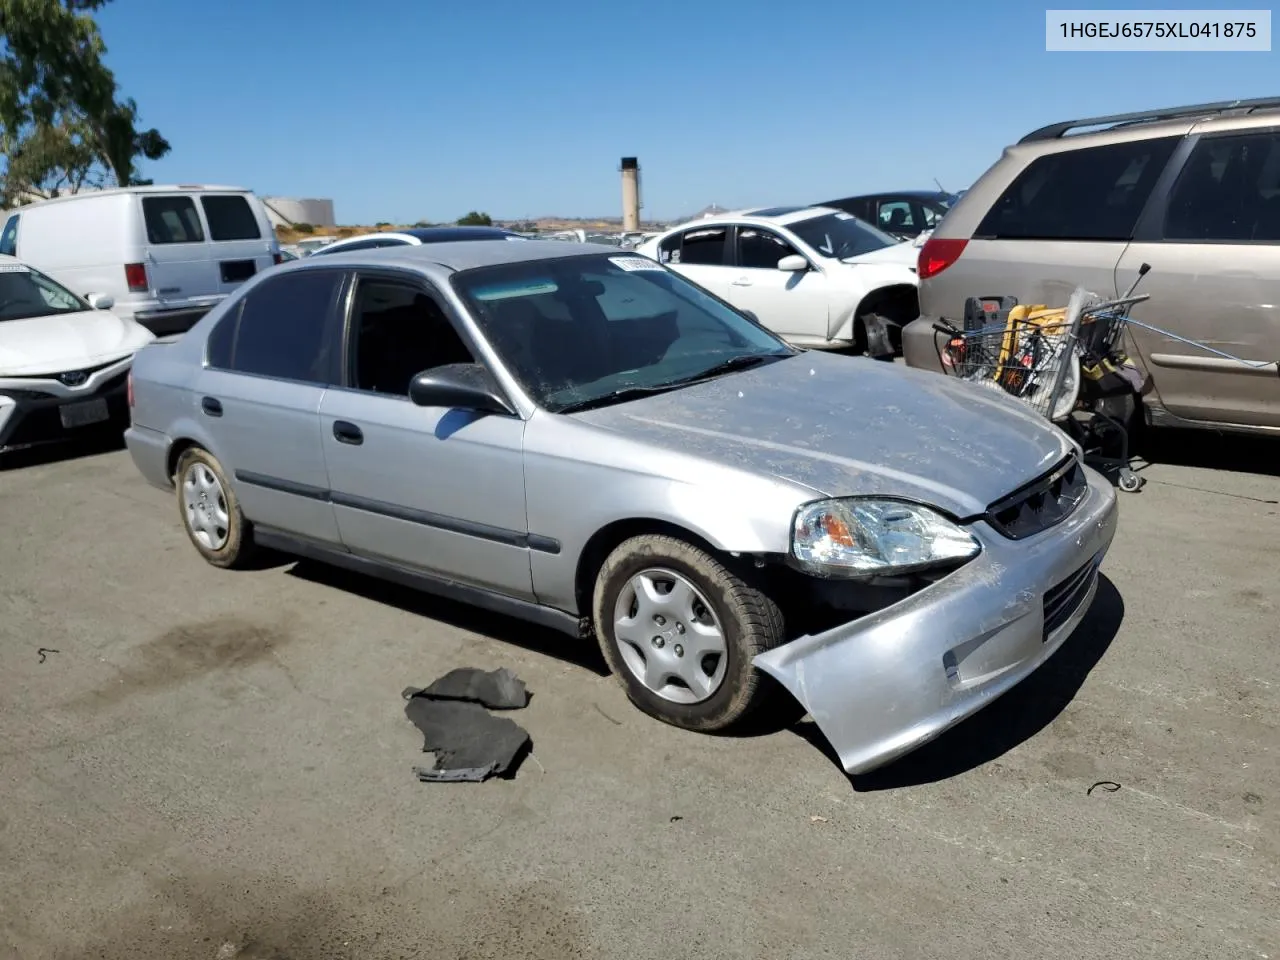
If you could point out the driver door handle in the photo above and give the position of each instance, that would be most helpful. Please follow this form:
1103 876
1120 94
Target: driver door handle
346 432
741 282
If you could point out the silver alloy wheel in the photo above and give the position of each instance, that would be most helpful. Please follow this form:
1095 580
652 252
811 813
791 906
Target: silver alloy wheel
669 636
205 506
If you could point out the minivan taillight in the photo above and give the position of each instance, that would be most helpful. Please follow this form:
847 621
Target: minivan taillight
936 255
135 274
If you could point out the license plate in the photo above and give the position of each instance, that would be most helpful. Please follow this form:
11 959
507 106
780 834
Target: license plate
82 414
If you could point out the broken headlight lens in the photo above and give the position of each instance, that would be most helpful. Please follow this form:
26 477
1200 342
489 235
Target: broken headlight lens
854 537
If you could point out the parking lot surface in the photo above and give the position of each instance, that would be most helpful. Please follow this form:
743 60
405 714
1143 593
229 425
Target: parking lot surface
210 764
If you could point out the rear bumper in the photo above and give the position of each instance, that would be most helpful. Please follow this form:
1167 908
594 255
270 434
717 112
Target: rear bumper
149 450
164 321
921 344
885 684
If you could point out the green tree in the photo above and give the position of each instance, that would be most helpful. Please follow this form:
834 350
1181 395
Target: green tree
58 98
475 219
48 160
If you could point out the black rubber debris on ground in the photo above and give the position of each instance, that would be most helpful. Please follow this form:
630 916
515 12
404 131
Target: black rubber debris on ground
498 689
469 743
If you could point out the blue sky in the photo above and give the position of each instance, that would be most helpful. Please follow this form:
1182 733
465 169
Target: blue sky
424 109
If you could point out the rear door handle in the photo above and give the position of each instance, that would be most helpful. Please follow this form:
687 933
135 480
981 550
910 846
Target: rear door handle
211 406
347 432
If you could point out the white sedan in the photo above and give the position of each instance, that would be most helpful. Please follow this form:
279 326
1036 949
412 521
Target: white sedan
64 361
818 277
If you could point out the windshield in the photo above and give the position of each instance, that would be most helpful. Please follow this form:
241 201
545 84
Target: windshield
588 330
841 235
27 293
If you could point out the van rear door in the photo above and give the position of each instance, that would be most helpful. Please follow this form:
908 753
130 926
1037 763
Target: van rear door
241 240
179 265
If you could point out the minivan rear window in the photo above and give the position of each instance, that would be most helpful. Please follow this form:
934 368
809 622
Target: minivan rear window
172 220
230 218
1095 193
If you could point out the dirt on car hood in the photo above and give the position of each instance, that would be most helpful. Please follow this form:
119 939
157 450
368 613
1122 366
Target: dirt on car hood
846 426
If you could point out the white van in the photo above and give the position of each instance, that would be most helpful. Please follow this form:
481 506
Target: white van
164 255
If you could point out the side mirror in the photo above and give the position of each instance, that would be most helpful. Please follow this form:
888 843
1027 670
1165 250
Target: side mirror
458 386
793 264
100 301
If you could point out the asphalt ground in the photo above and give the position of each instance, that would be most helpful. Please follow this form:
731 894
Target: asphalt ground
210 764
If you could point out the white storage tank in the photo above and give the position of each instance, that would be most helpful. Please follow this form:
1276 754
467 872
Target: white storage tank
286 210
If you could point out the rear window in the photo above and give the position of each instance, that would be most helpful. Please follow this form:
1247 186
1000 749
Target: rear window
230 218
1095 193
172 220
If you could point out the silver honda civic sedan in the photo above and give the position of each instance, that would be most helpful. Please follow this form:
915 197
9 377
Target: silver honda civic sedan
585 439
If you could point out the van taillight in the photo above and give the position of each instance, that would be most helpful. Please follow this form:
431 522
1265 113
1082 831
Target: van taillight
278 258
129 388
938 254
135 274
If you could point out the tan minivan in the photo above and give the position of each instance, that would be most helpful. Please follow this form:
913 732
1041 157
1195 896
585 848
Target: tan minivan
1193 191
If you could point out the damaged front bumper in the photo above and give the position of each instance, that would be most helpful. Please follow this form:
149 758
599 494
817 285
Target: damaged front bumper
883 685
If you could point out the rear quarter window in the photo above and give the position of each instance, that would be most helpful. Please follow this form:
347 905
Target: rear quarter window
172 220
1095 193
230 218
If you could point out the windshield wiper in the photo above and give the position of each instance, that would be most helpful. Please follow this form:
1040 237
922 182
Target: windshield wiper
617 396
741 362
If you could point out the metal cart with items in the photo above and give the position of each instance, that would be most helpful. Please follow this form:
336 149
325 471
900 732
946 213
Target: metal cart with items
1066 363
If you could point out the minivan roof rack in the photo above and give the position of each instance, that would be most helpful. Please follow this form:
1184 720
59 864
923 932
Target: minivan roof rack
1055 131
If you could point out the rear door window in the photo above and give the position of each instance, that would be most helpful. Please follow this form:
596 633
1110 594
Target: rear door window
286 327
1095 193
172 220
699 246
1228 192
230 218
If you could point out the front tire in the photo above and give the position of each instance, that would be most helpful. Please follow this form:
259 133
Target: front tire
679 630
210 512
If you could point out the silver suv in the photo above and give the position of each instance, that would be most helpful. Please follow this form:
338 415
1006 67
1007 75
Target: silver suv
1193 191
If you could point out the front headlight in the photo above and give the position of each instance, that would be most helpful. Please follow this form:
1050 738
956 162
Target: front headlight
855 537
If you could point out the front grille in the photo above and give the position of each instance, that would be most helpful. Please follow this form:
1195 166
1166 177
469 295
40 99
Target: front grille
1044 502
1062 600
87 371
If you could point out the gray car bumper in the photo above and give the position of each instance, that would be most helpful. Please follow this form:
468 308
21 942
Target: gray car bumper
150 452
883 685
921 344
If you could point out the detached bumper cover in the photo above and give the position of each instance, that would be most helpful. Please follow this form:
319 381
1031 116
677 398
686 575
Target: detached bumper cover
885 684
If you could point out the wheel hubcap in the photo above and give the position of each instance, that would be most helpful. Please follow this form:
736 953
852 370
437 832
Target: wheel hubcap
669 636
205 507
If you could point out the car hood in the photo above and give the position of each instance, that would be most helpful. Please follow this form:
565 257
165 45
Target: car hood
67 342
905 254
851 426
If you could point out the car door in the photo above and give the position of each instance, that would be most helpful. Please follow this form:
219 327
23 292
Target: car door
790 303
269 363
1214 250
434 490
238 243
180 266
702 254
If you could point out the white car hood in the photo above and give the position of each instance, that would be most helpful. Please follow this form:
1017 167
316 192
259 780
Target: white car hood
70 341
905 254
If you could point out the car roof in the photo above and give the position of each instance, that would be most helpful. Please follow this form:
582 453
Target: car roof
777 216
458 254
150 188
445 234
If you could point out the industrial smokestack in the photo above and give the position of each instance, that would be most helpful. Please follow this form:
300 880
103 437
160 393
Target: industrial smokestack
630 194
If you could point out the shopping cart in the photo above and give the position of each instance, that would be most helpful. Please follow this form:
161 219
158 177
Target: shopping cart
1066 363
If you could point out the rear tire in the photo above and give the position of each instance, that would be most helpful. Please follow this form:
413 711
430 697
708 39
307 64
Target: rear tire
210 512
679 630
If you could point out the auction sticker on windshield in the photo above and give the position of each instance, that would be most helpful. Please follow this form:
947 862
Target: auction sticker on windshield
635 263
